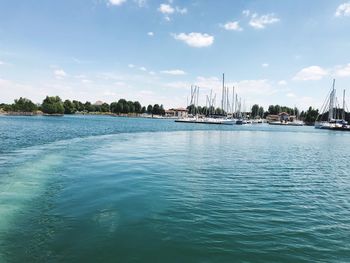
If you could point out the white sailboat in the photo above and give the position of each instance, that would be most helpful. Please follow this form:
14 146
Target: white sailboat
332 122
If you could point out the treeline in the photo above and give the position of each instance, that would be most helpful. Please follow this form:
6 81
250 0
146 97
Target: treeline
257 111
276 109
192 109
54 105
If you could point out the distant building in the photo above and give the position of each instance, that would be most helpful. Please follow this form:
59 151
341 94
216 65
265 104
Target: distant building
98 103
176 113
282 117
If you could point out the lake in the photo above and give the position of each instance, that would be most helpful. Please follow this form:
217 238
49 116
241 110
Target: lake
109 189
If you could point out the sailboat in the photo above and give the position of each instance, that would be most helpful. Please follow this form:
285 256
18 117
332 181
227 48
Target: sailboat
332 121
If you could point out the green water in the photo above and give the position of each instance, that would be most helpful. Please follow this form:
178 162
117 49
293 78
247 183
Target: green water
132 190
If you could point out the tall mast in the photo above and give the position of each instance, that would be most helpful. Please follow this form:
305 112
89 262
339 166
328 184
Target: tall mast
343 115
227 100
233 99
197 95
331 102
223 91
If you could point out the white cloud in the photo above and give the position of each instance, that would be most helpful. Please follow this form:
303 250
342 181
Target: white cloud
178 85
151 34
255 87
290 95
282 83
152 73
2 62
209 83
142 69
11 90
246 12
260 22
174 72
265 65
343 71
86 81
131 65
343 10
166 9
59 73
116 2
195 39
233 26
120 83
311 73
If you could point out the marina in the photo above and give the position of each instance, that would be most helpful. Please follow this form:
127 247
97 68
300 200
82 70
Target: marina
174 131
332 116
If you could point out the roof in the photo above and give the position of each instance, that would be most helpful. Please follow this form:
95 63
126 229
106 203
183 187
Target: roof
98 103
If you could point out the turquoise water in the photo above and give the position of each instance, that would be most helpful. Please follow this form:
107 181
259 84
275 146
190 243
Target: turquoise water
103 189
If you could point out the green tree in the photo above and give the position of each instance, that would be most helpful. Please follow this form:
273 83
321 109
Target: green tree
113 107
131 107
149 109
78 105
156 109
261 112
311 115
24 105
137 107
192 109
89 107
161 110
69 107
219 111
126 108
104 107
52 105
255 110
143 109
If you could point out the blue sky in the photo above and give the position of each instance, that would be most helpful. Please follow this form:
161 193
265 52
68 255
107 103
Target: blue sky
272 51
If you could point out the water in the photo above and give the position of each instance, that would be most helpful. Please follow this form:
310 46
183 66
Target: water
103 189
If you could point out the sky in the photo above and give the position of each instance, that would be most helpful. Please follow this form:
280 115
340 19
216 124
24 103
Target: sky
272 52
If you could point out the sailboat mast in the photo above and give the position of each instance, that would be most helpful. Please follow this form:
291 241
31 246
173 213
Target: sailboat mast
343 116
331 103
233 99
223 91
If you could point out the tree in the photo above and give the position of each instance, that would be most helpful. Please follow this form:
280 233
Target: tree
161 110
131 107
261 112
192 109
137 107
104 107
126 108
271 109
116 107
79 106
296 111
149 109
219 111
311 115
69 107
89 107
24 105
143 109
255 110
52 105
156 109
